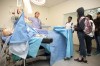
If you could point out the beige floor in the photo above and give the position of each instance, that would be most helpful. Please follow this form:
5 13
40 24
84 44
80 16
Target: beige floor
93 60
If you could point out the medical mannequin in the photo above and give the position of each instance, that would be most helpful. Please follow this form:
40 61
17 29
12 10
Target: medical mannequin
7 31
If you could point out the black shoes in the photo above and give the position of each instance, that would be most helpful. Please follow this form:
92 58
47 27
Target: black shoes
85 61
67 58
82 60
96 53
88 54
78 60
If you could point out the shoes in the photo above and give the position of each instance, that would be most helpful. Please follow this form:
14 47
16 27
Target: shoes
78 60
85 61
71 56
88 54
97 52
66 58
82 60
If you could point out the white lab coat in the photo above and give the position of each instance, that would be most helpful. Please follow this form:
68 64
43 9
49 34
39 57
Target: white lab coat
69 25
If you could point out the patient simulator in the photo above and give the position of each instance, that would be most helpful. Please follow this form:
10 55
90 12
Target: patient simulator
22 38
24 41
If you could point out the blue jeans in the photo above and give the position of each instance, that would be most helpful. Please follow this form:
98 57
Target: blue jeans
97 38
81 37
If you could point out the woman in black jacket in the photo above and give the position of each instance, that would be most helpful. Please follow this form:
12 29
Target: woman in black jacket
81 35
97 32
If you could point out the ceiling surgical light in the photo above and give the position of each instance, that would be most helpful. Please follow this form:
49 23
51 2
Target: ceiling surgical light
38 2
28 4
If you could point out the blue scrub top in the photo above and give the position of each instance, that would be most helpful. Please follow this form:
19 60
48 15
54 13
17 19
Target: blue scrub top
36 23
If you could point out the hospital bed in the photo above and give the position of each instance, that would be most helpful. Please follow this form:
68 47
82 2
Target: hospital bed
8 61
57 48
60 48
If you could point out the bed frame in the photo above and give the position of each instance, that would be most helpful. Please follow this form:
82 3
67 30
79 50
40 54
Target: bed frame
6 59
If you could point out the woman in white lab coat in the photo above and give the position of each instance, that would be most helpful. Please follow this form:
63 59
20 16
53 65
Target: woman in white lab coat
69 24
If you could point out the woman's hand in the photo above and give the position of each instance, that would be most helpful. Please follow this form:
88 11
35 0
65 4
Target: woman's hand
75 27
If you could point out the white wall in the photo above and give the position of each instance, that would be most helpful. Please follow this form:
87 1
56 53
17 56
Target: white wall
54 15
44 13
57 12
7 5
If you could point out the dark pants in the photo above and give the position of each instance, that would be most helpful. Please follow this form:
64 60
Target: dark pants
88 41
81 37
97 38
